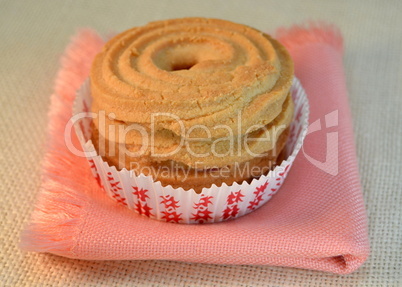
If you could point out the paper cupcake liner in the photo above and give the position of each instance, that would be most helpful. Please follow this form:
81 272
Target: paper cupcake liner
215 204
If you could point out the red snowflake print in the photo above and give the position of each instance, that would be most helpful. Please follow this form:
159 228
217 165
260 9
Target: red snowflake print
142 206
259 192
169 202
113 183
255 202
140 193
232 208
285 171
143 209
202 216
235 197
230 212
114 188
95 171
92 164
260 189
119 199
204 202
171 216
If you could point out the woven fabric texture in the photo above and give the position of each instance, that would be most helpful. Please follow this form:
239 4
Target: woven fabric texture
34 37
317 221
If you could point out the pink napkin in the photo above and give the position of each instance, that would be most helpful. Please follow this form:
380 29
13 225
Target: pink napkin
316 221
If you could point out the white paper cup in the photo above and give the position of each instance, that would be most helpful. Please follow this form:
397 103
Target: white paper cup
215 204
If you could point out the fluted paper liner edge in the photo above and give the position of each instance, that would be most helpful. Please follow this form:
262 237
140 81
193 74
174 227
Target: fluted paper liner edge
215 204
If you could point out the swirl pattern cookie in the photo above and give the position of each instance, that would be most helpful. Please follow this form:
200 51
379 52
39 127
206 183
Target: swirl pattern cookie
200 93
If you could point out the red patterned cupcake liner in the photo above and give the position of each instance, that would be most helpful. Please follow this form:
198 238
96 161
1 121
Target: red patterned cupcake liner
215 204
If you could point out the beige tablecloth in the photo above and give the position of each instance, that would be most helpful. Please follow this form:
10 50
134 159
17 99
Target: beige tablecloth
33 34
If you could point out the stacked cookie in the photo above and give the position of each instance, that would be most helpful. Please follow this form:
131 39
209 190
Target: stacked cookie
192 102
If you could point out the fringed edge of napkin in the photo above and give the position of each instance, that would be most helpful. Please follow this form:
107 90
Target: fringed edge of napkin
54 223
58 213
310 33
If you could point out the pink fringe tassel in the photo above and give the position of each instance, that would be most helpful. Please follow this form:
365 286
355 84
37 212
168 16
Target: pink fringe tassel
312 32
55 220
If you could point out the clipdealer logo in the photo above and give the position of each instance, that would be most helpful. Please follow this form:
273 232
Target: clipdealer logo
234 142
331 164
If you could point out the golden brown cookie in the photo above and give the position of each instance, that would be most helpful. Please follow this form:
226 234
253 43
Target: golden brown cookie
188 93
